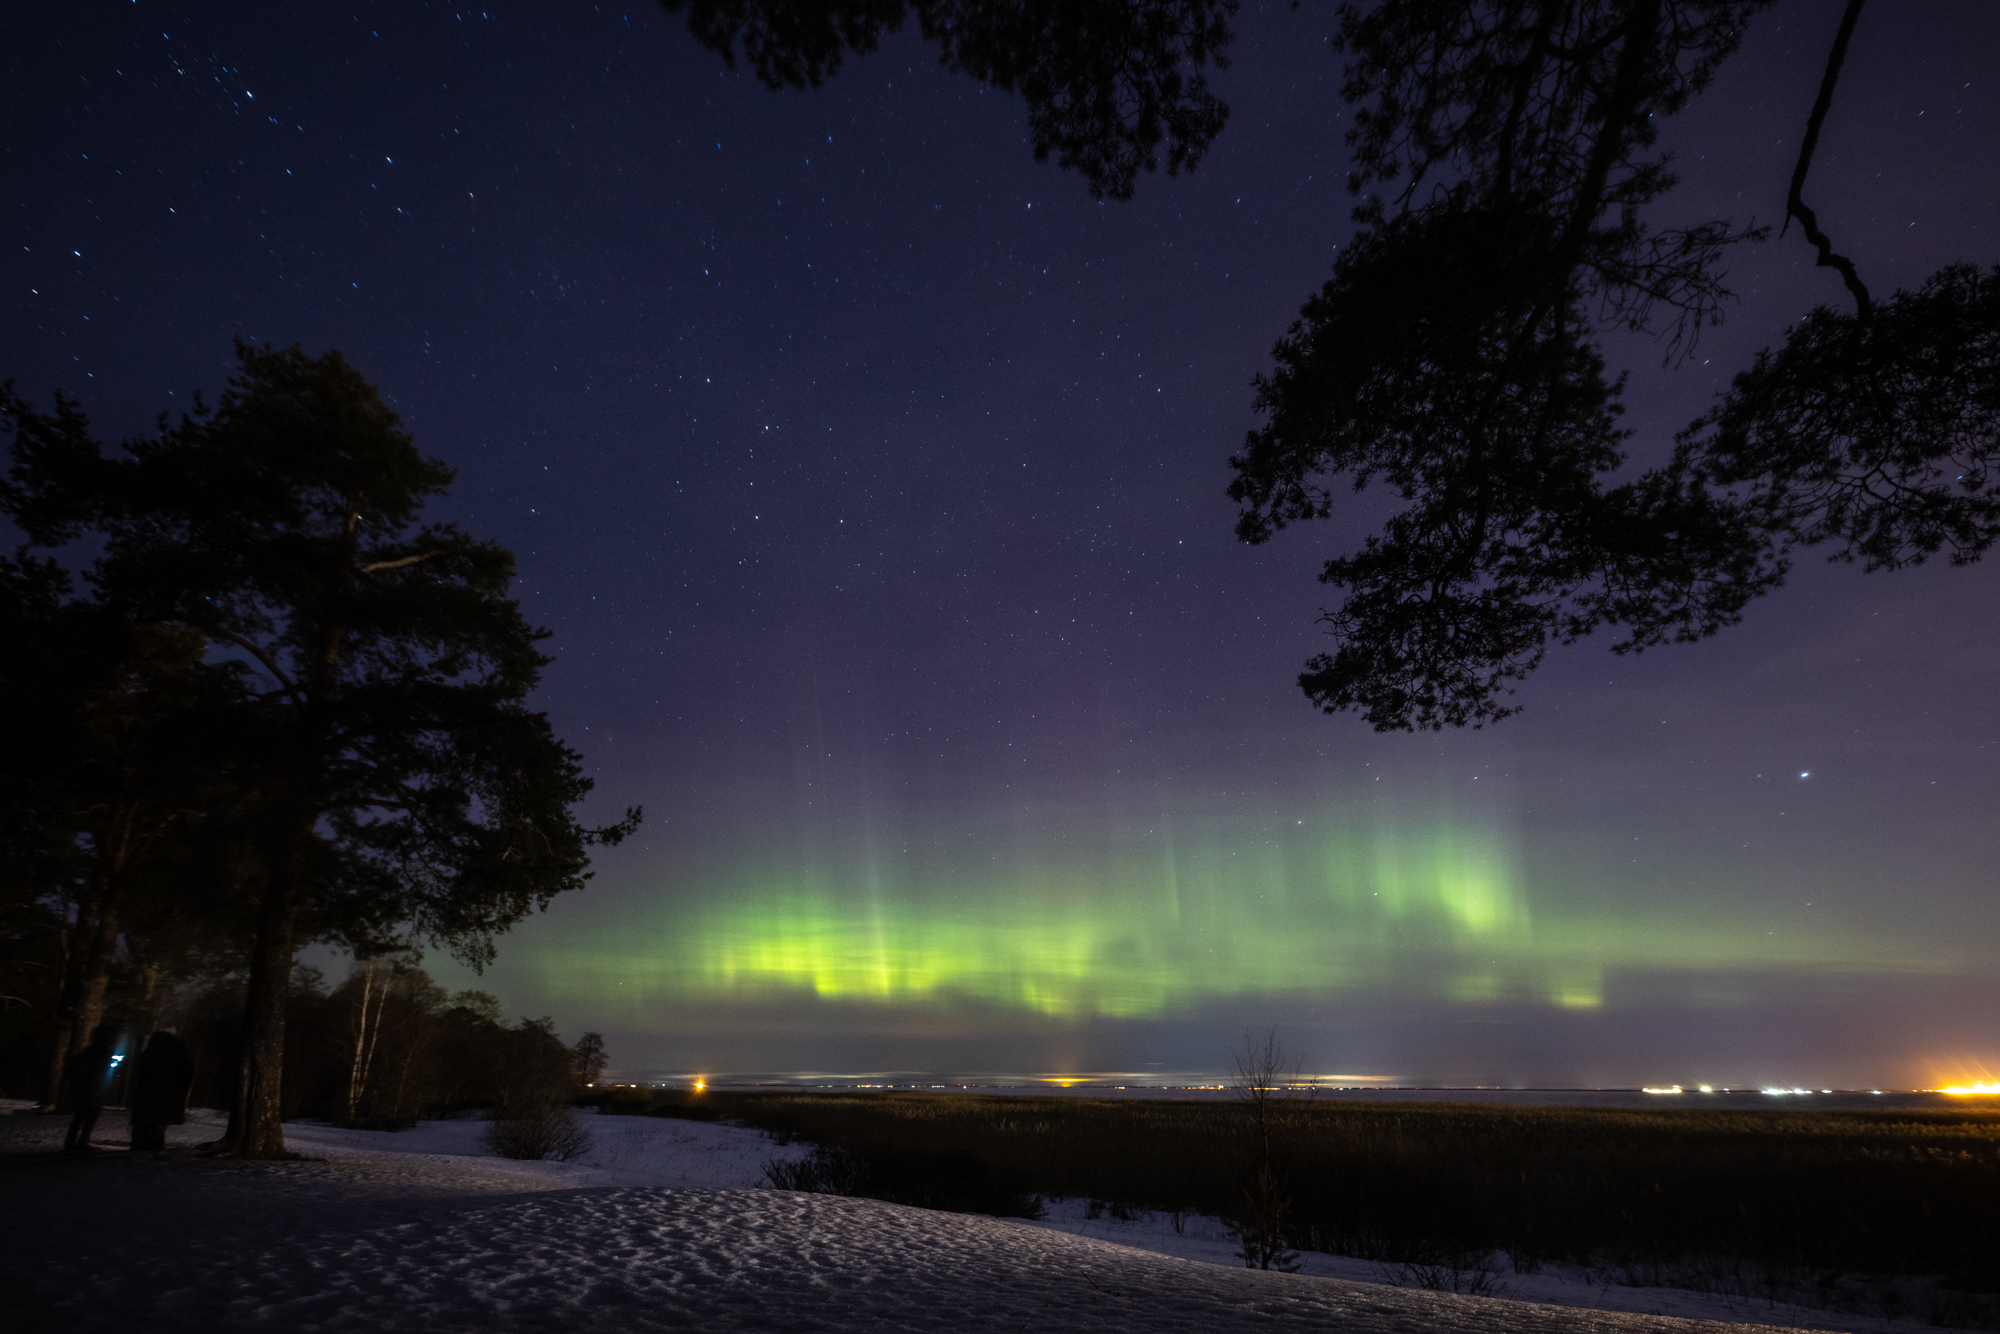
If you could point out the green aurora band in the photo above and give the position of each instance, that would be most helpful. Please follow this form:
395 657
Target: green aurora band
1433 910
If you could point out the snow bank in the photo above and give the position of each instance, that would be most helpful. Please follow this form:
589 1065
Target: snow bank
624 1151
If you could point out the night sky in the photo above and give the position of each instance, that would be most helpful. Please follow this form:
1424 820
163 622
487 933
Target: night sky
870 477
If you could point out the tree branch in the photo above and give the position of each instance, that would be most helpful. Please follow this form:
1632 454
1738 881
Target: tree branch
398 564
1795 204
270 664
1524 85
1639 31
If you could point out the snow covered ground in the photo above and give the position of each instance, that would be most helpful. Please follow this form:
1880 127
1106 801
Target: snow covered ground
663 1224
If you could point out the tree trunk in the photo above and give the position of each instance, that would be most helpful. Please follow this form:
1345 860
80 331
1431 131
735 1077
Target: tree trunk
91 946
87 979
149 1009
256 1122
256 1113
69 999
100 951
364 1040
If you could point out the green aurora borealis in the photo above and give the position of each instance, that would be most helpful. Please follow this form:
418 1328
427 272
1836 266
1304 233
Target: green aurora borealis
1444 913
1134 937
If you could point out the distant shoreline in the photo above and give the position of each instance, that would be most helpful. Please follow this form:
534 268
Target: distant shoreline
1029 1086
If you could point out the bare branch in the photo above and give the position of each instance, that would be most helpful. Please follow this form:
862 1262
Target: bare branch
1795 204
270 664
398 564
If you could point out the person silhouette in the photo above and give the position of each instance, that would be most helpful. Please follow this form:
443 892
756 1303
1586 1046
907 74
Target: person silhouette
89 1077
161 1078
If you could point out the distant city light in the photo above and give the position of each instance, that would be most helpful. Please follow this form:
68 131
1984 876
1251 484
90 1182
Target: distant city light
1674 1089
1961 1090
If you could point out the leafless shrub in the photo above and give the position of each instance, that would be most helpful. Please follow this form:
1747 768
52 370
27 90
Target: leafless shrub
1452 1269
954 1181
1268 1082
537 1131
828 1171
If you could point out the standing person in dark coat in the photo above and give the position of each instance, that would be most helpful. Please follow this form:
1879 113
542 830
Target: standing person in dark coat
161 1078
89 1076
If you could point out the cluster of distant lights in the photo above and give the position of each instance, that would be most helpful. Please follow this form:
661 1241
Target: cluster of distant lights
1705 1088
1956 1090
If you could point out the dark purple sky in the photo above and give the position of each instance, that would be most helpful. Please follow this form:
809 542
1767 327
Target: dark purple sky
871 477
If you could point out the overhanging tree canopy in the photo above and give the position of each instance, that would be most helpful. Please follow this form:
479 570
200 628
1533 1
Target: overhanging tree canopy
1505 152
1455 357
1107 82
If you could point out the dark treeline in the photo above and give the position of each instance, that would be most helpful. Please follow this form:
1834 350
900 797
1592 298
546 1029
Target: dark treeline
388 1047
254 703
382 1049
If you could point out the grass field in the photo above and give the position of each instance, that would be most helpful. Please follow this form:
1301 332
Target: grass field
1833 1193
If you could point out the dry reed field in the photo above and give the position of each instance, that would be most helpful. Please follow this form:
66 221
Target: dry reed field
1832 1193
